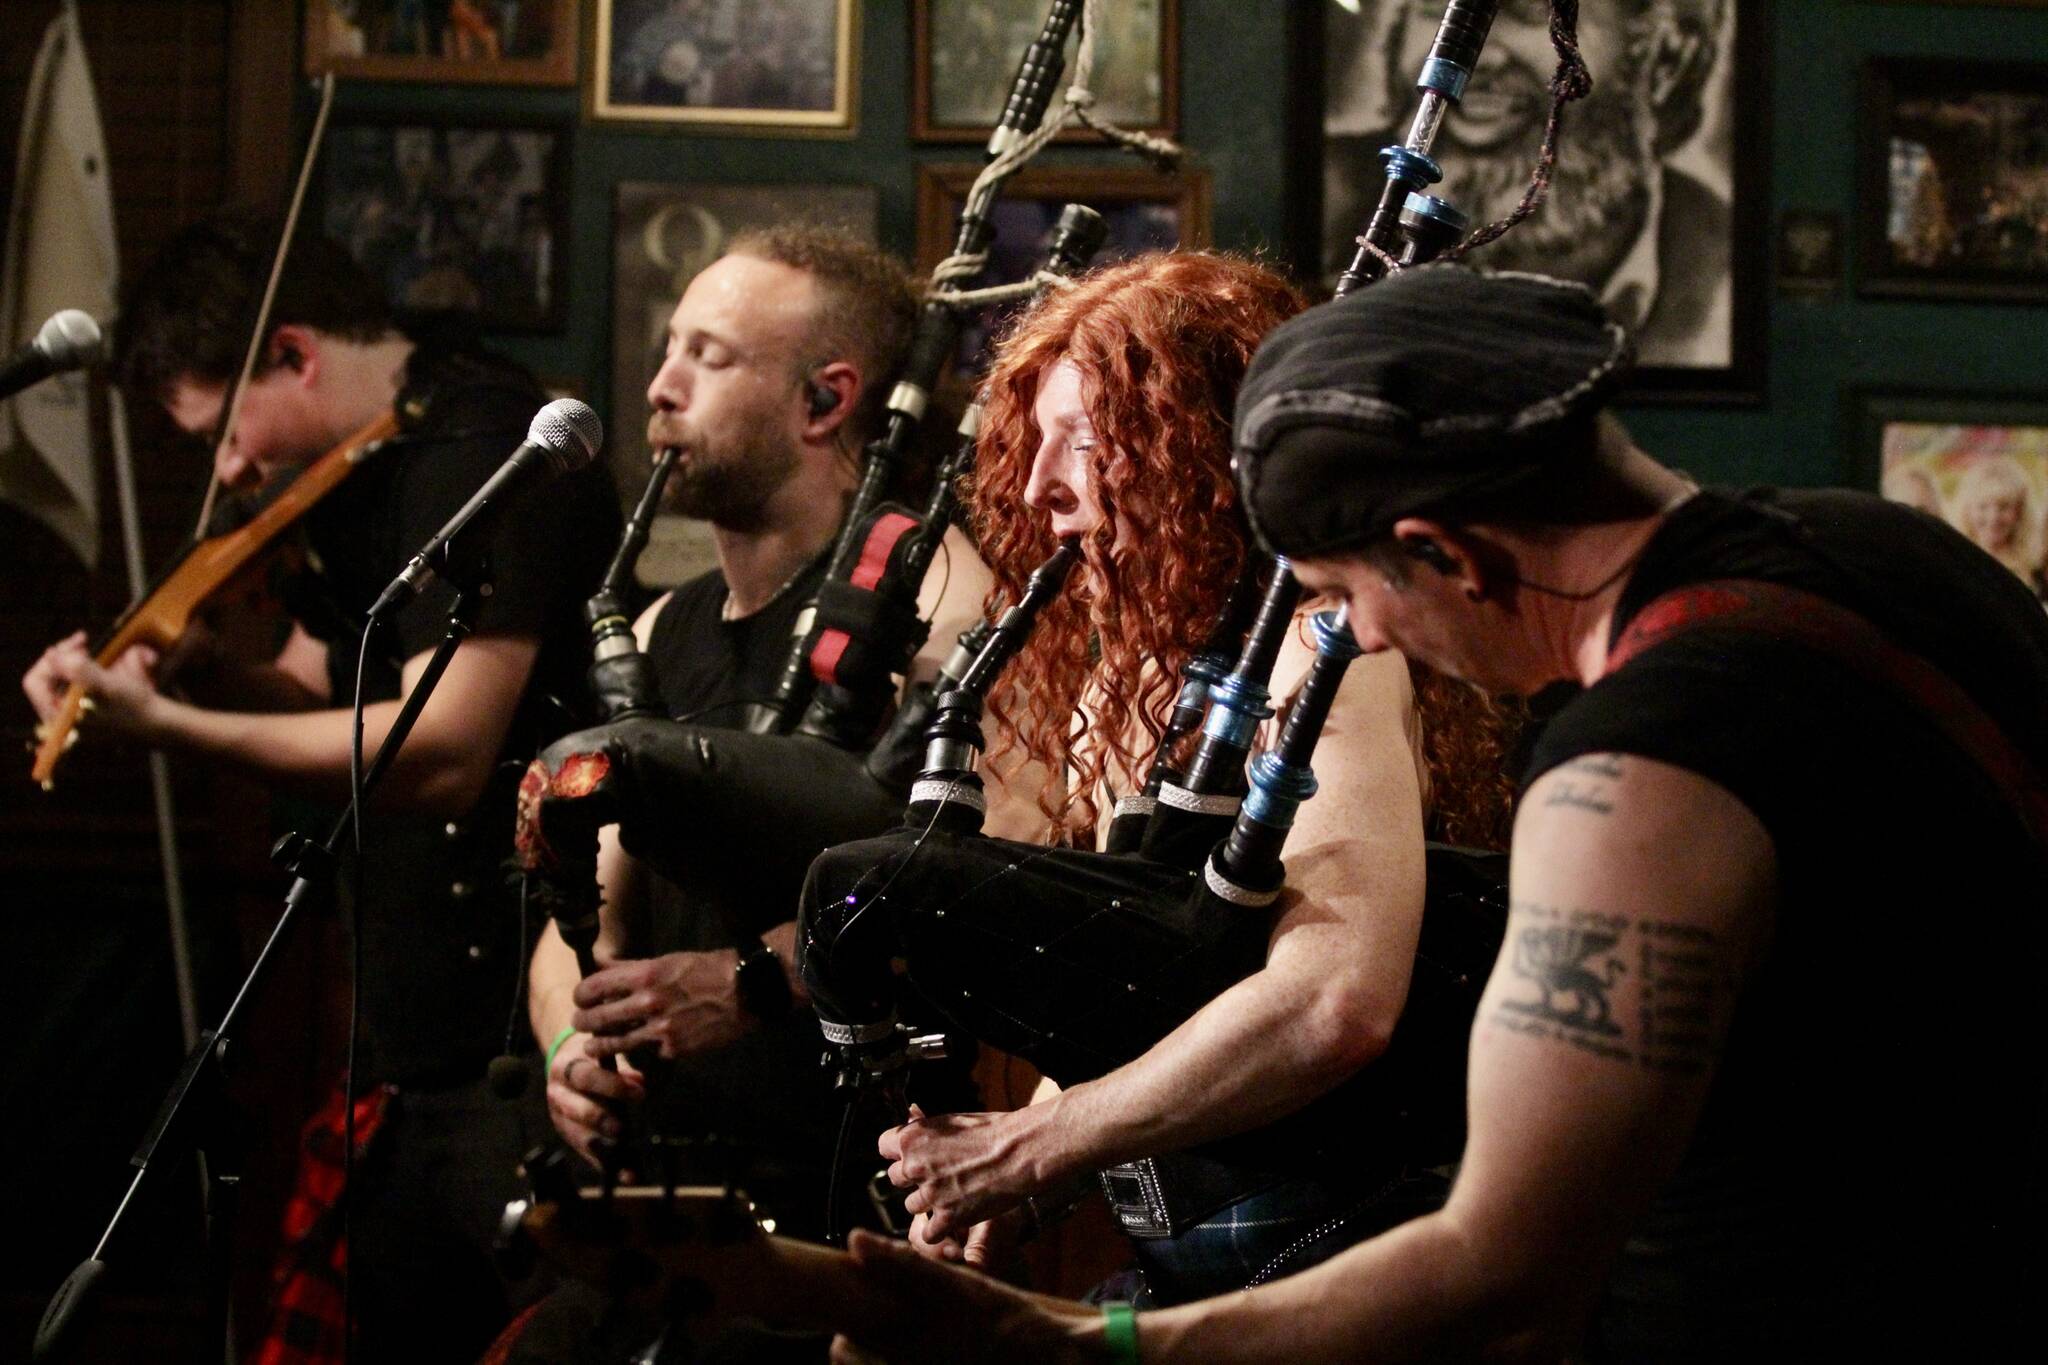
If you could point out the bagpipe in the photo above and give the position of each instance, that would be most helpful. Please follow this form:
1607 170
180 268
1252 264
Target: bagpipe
1080 961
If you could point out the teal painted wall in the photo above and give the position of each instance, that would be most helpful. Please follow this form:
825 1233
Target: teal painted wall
1237 78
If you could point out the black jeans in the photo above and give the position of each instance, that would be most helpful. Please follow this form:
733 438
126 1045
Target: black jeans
424 1219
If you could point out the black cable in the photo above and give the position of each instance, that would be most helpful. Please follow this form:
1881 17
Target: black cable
833 1235
518 977
355 993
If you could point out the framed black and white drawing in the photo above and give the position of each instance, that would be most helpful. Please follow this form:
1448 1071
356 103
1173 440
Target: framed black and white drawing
454 217
662 235
1658 198
1954 171
965 53
766 66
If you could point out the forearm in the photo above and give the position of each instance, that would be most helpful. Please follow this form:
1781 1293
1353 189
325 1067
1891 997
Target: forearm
1421 1292
551 979
307 752
1256 1053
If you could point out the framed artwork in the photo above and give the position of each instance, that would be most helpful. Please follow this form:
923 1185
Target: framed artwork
1650 203
965 54
483 42
662 235
455 217
1146 210
1980 463
1953 172
766 66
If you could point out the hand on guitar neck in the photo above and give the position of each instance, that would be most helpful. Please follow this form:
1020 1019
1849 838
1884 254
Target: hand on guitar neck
113 682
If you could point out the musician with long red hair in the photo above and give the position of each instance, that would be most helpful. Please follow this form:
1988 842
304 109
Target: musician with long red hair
1108 416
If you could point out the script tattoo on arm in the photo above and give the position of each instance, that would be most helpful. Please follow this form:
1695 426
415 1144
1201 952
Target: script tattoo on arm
1586 783
1639 991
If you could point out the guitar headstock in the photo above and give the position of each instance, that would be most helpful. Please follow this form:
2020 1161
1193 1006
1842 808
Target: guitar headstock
58 735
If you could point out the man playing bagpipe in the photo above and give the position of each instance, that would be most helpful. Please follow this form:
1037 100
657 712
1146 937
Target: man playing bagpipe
1727 1099
1107 423
776 366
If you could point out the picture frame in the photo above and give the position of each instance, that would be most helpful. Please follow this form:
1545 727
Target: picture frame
964 56
1689 276
1977 461
1948 205
662 234
528 42
453 217
1145 209
775 67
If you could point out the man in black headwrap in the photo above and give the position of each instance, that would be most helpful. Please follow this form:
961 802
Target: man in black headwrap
1777 878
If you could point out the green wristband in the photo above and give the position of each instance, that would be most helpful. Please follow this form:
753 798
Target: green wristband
1120 1332
548 1067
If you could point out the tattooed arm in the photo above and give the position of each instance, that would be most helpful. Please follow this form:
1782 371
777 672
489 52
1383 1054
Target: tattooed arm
1642 900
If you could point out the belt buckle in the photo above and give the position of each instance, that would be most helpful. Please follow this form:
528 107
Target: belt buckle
1132 1189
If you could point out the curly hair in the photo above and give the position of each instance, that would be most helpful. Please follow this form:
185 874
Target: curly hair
1469 742
1162 341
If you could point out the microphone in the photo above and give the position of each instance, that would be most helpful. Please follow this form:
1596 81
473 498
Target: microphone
70 340
564 437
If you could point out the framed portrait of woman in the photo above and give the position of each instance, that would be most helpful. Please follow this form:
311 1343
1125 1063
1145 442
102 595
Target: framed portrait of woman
1979 462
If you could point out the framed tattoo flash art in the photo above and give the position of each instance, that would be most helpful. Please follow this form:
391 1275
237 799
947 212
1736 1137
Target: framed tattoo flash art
1659 198
1978 463
484 42
1954 180
777 66
454 218
662 235
965 55
1146 211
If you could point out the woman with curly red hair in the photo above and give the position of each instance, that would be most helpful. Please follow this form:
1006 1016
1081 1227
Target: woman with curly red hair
1107 418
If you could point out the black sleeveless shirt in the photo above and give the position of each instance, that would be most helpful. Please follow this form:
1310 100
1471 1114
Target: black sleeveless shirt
1854 1181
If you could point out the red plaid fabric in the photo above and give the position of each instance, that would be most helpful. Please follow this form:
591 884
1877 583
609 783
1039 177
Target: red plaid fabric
306 1320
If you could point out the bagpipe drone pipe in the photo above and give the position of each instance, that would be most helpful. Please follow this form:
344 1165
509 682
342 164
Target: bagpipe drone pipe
839 679
1081 961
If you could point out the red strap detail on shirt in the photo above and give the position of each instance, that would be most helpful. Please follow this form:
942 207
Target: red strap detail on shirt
889 528
1804 618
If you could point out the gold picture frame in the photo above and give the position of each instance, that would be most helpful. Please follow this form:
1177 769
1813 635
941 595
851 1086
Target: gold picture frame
533 43
787 68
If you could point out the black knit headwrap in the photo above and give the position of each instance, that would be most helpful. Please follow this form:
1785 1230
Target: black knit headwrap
1438 389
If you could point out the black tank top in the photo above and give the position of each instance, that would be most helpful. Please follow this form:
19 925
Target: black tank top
1871 1133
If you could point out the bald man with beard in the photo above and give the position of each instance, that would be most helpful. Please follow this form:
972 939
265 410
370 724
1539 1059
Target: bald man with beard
1653 241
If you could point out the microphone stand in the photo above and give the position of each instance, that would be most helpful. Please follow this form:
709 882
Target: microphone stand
194 1112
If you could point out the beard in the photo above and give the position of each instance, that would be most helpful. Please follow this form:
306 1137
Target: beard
729 487
1600 188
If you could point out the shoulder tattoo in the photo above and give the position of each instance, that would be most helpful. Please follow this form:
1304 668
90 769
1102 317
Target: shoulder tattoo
1643 992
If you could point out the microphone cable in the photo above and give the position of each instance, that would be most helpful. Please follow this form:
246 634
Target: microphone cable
355 994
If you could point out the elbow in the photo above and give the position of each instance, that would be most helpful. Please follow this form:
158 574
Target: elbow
1347 1026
